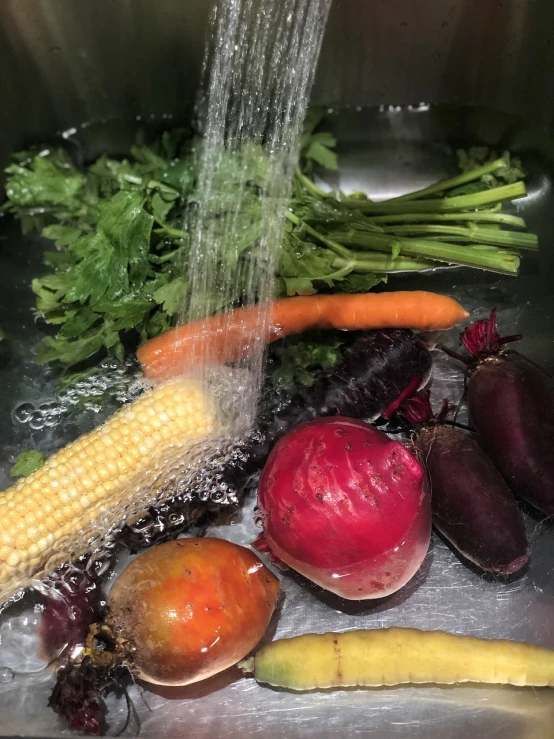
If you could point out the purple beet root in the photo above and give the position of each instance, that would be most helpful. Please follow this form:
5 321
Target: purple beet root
472 506
511 404
68 613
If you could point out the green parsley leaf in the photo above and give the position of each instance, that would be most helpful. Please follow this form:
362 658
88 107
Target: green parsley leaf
301 359
60 349
172 295
320 150
61 235
101 271
361 283
26 463
49 178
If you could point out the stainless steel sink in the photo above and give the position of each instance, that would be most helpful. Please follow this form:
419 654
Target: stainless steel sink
427 77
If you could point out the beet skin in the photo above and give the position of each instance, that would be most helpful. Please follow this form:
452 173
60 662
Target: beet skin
347 507
472 506
511 404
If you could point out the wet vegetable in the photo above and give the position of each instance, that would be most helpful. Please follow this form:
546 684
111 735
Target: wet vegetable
472 505
511 404
347 507
371 379
179 613
115 225
228 337
103 479
191 608
396 656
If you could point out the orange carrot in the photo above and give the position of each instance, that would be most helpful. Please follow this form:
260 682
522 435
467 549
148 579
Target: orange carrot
228 337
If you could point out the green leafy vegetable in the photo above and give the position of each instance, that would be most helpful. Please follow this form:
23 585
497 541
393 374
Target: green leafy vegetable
27 463
117 268
172 295
477 156
301 359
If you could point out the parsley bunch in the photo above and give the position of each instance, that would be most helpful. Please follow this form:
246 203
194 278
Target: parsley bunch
118 269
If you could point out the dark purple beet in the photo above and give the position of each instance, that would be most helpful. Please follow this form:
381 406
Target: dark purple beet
511 404
472 505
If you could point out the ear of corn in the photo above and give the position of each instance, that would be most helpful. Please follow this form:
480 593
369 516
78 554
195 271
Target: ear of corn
104 479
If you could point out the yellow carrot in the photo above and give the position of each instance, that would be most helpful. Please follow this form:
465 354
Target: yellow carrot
394 656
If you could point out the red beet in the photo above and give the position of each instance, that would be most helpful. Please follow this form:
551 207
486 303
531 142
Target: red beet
347 507
511 404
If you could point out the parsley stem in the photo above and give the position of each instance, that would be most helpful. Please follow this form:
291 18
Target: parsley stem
494 236
450 184
345 267
479 255
337 248
441 205
310 186
386 264
487 216
175 232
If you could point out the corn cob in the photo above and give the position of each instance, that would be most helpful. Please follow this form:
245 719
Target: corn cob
100 481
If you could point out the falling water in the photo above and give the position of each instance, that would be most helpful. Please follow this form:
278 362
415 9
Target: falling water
260 65
261 61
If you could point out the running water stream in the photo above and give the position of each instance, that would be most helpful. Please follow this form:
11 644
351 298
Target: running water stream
261 61
260 66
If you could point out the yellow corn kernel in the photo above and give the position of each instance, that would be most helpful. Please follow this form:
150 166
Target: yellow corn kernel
102 480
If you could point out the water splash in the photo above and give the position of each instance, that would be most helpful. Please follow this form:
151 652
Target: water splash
260 66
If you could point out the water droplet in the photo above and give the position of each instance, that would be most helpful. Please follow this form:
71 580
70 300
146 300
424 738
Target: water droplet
109 364
49 406
36 421
6 674
23 412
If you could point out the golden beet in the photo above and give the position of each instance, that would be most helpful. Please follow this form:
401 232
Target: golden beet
191 608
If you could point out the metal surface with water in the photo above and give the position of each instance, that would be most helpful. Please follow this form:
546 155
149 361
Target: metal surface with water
384 152
64 63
